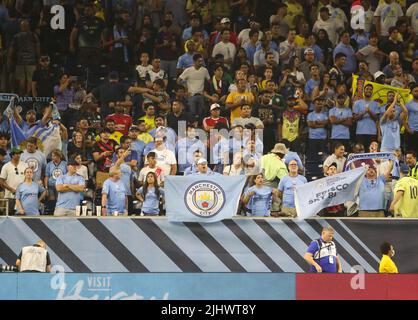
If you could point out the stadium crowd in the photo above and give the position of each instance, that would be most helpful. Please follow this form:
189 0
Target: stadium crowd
146 89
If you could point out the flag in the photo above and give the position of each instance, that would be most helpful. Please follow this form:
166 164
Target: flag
358 157
199 198
312 197
16 133
379 91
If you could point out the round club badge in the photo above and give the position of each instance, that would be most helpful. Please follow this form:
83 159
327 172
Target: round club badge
204 199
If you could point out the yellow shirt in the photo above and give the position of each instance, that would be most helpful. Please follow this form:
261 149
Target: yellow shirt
300 40
273 167
402 3
149 122
408 205
198 46
387 265
293 10
290 127
116 135
235 97
145 137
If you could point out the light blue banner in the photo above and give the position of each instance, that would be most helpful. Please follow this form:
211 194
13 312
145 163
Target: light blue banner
155 286
202 198
312 197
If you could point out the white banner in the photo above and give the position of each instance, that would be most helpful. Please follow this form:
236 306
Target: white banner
312 197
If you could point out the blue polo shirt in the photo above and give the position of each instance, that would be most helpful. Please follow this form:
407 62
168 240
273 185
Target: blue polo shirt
412 107
287 186
350 65
366 125
28 196
69 199
116 196
317 133
260 202
372 194
391 137
340 131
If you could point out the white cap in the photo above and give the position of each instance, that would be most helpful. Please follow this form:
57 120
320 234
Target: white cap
202 161
378 74
225 20
308 50
214 106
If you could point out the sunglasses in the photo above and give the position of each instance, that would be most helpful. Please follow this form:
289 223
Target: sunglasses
16 171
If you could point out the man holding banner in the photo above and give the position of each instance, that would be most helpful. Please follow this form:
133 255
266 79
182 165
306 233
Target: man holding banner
391 127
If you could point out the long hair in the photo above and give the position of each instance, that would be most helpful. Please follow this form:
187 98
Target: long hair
146 185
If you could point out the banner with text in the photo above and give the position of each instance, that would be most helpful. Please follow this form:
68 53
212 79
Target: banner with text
202 198
312 197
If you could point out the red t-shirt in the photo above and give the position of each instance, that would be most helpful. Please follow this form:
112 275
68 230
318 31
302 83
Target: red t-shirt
122 122
209 121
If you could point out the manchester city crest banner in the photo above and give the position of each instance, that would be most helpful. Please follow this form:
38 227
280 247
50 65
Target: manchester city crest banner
202 198
312 197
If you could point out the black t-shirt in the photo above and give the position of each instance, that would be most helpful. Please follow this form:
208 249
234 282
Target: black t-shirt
45 81
89 32
110 92
86 153
264 112
25 45
172 120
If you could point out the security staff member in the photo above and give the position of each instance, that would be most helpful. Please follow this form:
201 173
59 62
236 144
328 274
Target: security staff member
322 253
34 258
411 160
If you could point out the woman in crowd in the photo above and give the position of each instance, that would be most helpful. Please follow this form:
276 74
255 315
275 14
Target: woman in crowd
28 195
325 89
150 195
258 198
78 146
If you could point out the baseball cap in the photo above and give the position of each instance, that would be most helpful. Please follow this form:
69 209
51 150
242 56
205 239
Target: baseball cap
334 164
202 161
225 20
134 127
15 150
214 106
308 50
378 74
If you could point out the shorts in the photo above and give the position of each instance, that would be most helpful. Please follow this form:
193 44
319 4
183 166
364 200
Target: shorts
291 212
24 72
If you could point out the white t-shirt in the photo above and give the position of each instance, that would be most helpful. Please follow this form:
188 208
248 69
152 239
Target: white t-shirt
330 26
228 50
83 171
195 79
244 36
339 161
8 173
389 15
142 71
412 13
371 59
145 170
165 158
